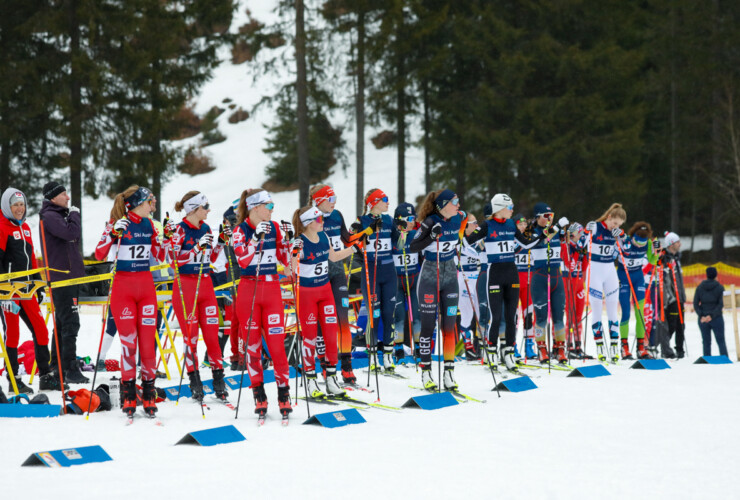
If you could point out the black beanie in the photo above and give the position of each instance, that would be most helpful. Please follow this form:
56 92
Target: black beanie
711 273
53 189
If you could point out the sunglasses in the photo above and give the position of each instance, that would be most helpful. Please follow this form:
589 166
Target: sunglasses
409 218
473 223
510 207
207 206
331 199
384 199
455 201
319 219
269 206
548 215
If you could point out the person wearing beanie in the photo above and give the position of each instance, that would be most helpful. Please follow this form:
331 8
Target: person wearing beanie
670 281
708 302
547 277
407 269
501 237
324 198
473 352
62 230
17 254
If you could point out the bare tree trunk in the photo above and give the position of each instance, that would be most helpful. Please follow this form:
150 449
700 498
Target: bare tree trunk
401 131
360 112
76 111
427 139
674 166
718 233
302 90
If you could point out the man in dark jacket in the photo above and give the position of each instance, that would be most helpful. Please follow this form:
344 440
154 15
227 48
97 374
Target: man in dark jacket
62 231
708 303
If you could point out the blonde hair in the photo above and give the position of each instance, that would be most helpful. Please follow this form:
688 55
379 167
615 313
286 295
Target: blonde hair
298 225
427 206
615 210
313 191
241 211
119 203
181 204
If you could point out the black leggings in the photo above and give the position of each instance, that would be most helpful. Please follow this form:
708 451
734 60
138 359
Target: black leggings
503 288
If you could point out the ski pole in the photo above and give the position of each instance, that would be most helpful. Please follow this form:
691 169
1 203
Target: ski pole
249 323
106 311
638 312
679 304
412 341
186 330
588 296
440 350
54 319
296 283
370 322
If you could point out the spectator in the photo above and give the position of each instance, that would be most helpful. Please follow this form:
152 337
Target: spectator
62 232
17 254
708 307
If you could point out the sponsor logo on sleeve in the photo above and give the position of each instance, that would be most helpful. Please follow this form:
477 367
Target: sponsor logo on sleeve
276 330
147 310
331 319
273 319
212 321
148 321
210 310
452 311
329 309
345 302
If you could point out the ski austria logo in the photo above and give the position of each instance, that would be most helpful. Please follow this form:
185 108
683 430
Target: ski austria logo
210 310
452 311
147 310
275 330
126 314
273 319
329 309
17 235
147 321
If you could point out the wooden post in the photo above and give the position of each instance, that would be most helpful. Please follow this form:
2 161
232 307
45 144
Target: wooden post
733 304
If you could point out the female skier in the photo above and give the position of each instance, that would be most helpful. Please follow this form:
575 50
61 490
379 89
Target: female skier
259 245
501 239
133 301
437 290
315 300
548 296
325 199
193 253
407 270
604 283
382 272
636 251
575 260
523 260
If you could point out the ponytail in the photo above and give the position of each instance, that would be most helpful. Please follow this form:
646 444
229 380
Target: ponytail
241 211
615 210
297 223
119 205
427 206
179 205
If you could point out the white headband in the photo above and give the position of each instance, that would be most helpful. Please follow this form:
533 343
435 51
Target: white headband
311 214
258 199
199 200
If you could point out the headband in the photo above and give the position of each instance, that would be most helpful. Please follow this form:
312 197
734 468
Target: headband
374 197
322 195
199 200
258 199
444 198
310 215
137 198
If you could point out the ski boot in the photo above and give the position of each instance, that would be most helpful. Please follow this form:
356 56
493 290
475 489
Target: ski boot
449 377
516 353
332 385
388 361
600 350
400 355
614 350
149 398
196 386
542 348
73 375
626 354
529 351
313 386
284 401
219 385
50 382
491 359
22 388
129 398
372 359
642 353
509 361
260 399
348 375
560 352
426 379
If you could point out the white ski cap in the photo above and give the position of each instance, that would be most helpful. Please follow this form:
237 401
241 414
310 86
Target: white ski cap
670 238
500 201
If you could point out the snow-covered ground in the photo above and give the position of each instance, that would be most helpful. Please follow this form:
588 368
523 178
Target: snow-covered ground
636 434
